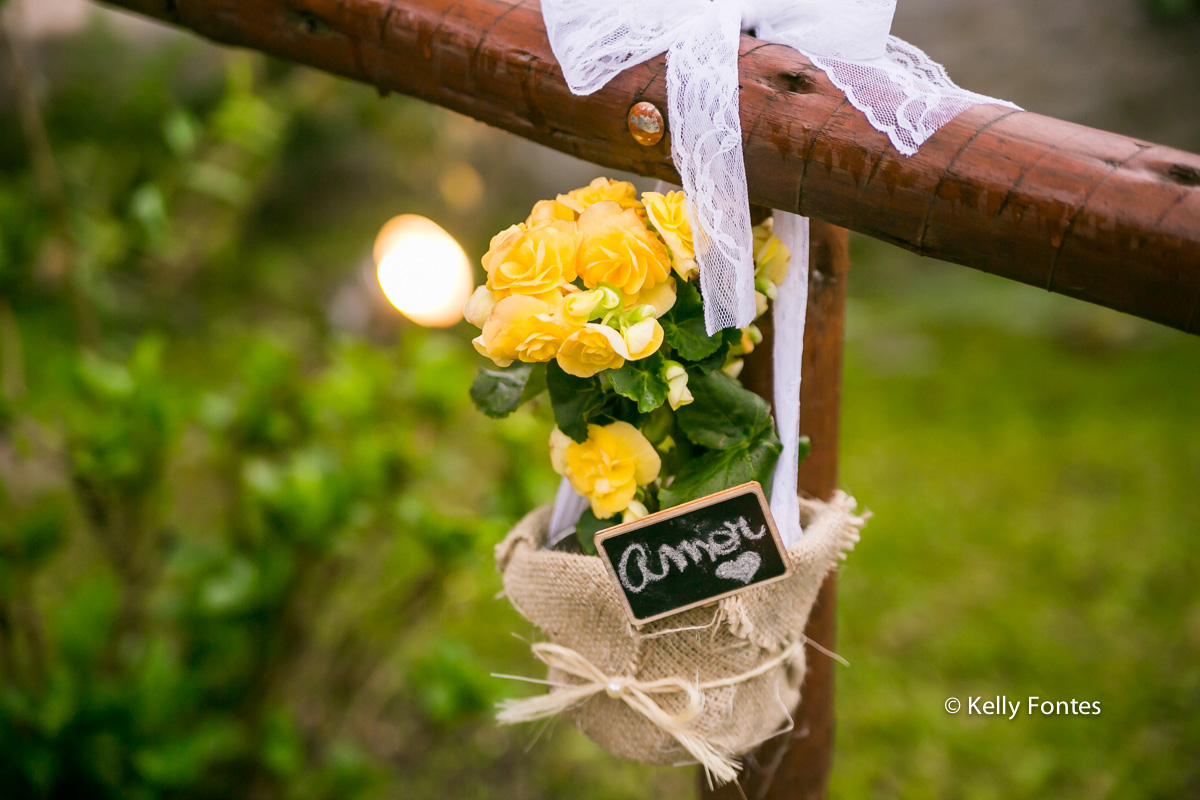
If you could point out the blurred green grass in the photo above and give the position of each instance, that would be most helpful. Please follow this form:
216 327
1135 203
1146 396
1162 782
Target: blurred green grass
1032 465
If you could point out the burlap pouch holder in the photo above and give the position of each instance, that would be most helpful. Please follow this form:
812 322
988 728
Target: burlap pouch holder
705 685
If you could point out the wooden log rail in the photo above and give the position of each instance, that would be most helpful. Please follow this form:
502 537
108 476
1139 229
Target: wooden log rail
1092 215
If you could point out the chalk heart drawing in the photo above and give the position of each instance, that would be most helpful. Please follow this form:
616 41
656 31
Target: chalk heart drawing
741 569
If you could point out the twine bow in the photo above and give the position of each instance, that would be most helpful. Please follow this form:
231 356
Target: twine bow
639 695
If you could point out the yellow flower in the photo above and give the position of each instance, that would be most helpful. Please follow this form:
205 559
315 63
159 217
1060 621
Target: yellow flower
559 442
549 210
751 337
668 215
622 193
617 248
609 467
642 339
771 256
521 329
590 349
532 259
478 306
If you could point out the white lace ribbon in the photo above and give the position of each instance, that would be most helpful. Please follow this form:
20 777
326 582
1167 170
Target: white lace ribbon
902 92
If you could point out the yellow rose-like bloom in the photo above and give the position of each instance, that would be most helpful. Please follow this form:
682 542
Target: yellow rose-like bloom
532 259
618 248
771 256
600 190
609 467
668 215
590 349
549 210
521 328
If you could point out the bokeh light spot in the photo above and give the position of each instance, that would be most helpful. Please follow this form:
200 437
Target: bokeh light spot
422 270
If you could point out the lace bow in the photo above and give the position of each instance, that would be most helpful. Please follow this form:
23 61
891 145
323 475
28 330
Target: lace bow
900 90
903 93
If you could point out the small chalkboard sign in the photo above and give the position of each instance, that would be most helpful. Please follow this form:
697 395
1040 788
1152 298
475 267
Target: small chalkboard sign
694 554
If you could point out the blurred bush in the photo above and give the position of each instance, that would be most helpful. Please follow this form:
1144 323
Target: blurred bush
246 515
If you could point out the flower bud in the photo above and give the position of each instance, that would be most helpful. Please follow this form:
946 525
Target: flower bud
478 306
677 384
640 313
760 304
592 304
636 510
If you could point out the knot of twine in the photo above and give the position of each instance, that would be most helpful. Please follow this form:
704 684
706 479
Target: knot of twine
639 695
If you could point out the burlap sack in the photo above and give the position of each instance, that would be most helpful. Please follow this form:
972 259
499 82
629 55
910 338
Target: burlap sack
705 685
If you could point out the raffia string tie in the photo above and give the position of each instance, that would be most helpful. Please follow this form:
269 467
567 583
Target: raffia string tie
718 763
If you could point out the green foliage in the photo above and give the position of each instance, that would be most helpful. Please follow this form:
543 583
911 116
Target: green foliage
683 325
642 382
498 392
724 414
576 401
586 529
1175 9
228 531
751 460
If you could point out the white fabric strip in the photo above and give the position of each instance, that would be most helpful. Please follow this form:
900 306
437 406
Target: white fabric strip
790 311
569 506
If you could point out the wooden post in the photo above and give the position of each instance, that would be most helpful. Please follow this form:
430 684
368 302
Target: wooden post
796 766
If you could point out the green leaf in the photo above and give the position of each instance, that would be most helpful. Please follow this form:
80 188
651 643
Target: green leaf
536 383
729 337
587 528
717 470
574 400
498 391
683 325
641 381
724 415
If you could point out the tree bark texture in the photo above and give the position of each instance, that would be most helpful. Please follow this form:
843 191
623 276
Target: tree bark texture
1092 215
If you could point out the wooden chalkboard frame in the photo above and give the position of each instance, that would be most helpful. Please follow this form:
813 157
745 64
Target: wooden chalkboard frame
752 488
